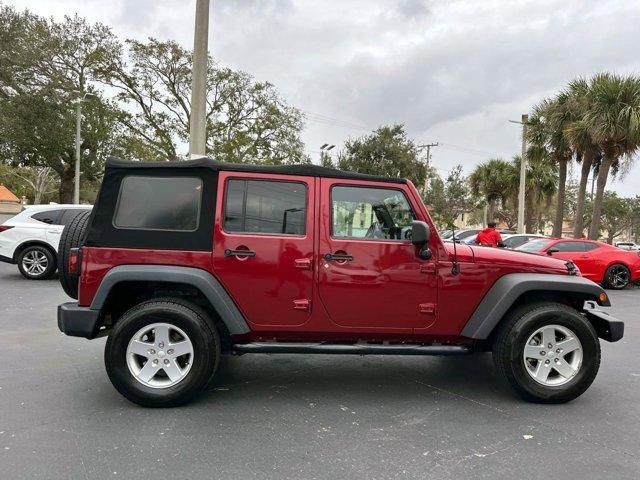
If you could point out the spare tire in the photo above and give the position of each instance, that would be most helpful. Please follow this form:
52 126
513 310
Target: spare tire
72 237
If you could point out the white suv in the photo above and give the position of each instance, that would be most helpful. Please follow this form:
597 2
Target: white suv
31 238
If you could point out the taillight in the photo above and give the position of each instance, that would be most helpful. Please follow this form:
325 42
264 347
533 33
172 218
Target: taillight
4 228
73 265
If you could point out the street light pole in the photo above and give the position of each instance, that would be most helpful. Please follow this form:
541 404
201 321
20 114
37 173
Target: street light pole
76 177
197 118
523 172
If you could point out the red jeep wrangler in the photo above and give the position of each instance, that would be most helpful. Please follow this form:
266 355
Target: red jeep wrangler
181 262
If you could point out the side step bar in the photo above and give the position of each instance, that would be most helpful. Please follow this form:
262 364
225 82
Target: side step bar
350 348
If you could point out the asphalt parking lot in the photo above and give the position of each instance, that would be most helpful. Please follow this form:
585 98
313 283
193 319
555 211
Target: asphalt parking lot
303 417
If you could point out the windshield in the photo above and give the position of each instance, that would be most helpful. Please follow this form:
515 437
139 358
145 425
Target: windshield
534 245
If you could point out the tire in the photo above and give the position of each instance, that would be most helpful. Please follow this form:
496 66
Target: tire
72 237
519 328
37 262
616 277
159 391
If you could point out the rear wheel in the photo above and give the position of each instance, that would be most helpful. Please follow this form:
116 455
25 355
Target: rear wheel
162 353
617 277
36 262
72 237
548 352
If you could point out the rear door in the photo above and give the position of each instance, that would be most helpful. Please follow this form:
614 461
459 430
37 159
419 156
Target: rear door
369 273
264 246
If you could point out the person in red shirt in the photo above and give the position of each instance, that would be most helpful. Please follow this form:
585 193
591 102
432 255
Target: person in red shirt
489 237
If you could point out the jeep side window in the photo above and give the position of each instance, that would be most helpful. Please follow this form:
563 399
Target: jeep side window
265 206
370 213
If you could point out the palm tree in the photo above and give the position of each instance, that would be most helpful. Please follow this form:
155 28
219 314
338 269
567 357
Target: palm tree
492 180
587 152
546 132
613 120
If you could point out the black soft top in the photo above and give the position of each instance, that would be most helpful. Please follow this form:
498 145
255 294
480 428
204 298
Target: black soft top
307 170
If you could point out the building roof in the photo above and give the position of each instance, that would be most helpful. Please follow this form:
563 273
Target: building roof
306 170
7 196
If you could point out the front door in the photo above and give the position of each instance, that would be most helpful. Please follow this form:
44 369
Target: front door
369 273
263 246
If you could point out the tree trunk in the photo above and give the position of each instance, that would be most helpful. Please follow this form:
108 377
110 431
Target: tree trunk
66 184
610 236
562 183
492 211
603 174
578 226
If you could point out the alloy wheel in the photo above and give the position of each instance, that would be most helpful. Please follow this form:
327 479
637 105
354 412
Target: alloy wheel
552 355
159 355
618 276
35 263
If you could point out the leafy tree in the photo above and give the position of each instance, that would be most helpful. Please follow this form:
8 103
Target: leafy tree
46 66
451 197
613 120
616 215
587 152
493 182
546 131
386 151
247 121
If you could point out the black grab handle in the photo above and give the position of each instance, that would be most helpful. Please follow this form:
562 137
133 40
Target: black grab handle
338 256
239 253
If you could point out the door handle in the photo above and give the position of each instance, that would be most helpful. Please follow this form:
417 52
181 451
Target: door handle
239 253
303 263
340 257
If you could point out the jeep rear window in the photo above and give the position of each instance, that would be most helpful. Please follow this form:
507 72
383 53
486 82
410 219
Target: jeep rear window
265 206
159 203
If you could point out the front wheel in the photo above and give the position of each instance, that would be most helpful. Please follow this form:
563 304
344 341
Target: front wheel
548 352
162 353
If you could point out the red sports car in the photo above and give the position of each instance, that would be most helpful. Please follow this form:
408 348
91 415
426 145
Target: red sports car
603 263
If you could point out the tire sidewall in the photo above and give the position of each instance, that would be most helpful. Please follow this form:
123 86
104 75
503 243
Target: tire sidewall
51 265
206 352
521 332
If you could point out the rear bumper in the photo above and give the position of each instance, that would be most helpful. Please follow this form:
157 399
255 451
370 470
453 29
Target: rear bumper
78 321
607 327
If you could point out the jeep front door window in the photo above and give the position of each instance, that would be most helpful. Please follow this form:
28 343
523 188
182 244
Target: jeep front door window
371 213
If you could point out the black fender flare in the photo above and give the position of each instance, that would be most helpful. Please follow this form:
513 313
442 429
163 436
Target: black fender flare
508 288
195 277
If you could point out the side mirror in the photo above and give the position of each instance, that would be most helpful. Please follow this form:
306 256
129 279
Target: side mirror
419 233
420 237
552 250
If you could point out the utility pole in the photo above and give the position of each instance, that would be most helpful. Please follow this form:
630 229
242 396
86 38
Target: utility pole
197 118
428 159
523 172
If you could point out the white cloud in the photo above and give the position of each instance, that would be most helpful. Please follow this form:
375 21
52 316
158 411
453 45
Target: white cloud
453 70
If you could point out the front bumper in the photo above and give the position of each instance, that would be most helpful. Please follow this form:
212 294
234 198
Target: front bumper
607 327
78 321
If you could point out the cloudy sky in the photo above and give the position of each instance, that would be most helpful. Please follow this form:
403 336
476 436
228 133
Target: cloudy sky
453 71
